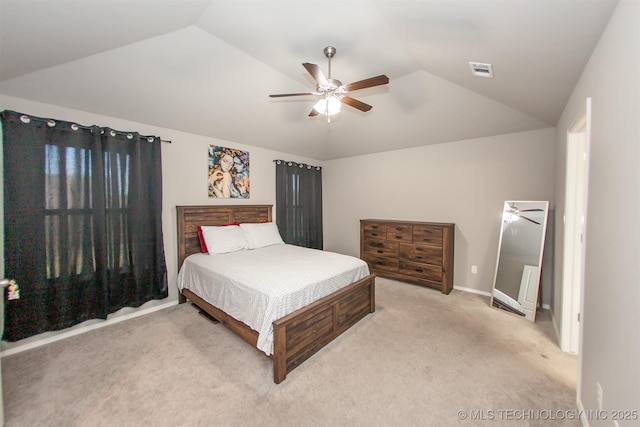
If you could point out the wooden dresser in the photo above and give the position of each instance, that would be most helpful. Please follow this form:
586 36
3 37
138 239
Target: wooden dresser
409 251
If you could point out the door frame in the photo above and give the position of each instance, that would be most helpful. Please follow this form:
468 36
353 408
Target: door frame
578 138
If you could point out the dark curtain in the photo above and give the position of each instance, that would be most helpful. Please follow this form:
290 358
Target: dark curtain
83 229
299 203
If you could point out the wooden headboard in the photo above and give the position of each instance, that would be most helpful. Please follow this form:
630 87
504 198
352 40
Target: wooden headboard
190 217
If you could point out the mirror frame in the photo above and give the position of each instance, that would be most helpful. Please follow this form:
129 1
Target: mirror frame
540 254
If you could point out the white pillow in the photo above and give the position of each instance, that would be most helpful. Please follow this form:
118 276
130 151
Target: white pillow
261 235
223 239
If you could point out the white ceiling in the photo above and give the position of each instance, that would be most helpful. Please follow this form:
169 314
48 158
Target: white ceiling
207 67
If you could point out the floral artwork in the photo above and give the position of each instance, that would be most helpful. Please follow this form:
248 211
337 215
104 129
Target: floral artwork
228 173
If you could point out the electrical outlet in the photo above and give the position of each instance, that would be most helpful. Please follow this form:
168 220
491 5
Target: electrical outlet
599 395
474 269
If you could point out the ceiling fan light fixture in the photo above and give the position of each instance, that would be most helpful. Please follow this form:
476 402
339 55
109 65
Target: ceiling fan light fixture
328 106
333 92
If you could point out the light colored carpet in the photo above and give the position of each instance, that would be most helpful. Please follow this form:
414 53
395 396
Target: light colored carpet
417 361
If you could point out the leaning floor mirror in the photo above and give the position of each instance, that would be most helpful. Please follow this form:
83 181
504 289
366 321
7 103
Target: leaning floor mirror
517 277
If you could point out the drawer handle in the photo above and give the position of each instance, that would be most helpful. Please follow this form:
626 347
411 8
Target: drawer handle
398 237
379 251
419 270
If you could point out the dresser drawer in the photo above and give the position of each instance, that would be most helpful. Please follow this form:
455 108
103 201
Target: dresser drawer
421 253
375 230
381 263
399 233
424 271
427 234
381 248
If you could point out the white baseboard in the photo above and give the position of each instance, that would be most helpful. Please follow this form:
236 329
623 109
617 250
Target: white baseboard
83 329
471 290
488 294
555 328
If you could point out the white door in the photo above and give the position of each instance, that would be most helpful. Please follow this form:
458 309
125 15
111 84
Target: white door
529 290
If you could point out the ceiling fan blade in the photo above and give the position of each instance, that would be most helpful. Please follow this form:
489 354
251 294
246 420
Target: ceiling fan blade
528 219
280 95
313 112
370 82
316 73
355 103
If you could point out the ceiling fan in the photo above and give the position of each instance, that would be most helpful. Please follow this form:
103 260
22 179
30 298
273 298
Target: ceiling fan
332 91
516 213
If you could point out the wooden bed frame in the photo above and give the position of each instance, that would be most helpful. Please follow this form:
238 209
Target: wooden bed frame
298 335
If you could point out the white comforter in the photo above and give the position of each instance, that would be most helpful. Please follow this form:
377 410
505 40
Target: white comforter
259 286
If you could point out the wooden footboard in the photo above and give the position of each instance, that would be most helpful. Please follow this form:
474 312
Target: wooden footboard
298 335
302 333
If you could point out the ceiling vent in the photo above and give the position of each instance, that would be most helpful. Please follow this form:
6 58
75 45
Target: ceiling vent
481 70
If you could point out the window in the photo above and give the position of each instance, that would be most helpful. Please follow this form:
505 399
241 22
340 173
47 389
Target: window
299 203
83 219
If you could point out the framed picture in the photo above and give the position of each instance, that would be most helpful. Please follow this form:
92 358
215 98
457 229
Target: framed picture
228 176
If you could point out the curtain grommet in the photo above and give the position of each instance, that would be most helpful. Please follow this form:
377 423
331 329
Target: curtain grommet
74 126
25 119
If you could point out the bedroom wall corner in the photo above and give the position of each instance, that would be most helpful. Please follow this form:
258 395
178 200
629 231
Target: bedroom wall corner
464 182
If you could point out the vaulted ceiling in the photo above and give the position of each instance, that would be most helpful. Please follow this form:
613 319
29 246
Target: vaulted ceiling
208 66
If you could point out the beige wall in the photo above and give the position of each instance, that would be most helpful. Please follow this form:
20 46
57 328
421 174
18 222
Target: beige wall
464 182
610 351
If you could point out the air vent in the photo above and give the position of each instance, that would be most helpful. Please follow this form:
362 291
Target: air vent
481 70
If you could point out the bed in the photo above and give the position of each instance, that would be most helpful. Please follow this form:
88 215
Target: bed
296 335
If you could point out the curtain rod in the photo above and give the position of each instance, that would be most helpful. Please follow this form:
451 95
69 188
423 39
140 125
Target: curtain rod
74 126
299 164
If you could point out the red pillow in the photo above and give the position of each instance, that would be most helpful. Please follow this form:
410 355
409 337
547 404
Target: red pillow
203 245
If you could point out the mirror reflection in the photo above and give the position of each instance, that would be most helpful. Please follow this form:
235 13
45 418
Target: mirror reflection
517 278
